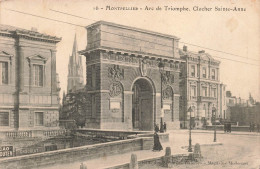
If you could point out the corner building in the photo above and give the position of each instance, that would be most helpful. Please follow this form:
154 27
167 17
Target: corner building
200 89
29 91
125 87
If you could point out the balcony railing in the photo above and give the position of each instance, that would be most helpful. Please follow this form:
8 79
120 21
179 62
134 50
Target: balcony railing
206 98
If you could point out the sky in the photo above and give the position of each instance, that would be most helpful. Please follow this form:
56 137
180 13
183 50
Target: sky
235 32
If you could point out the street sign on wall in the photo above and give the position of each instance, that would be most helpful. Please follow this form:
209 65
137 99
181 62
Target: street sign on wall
6 151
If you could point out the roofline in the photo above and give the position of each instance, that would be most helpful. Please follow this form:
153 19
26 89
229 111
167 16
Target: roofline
101 22
193 53
16 31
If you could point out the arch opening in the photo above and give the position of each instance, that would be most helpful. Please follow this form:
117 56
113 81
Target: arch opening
142 105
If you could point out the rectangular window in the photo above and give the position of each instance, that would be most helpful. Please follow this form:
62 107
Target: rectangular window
38 75
193 91
192 70
213 92
38 118
3 73
213 74
204 91
204 72
4 119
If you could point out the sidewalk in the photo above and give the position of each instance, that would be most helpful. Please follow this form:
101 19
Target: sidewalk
176 142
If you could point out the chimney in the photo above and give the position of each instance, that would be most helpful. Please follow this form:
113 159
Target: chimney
34 29
185 48
202 51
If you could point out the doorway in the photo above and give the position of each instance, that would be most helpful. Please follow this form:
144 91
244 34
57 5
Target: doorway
142 105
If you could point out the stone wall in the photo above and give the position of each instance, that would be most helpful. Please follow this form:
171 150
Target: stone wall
156 161
76 154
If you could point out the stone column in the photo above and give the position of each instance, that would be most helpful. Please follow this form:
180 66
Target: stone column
53 75
20 65
19 81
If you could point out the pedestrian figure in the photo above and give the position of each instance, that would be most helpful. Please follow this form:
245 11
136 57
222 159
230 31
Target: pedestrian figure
157 145
250 127
253 127
229 127
156 128
258 127
164 127
225 127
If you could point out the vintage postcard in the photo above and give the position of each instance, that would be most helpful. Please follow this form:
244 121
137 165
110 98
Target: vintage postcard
128 84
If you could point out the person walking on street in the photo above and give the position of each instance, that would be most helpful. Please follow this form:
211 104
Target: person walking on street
258 127
164 127
253 127
250 127
157 145
156 128
225 127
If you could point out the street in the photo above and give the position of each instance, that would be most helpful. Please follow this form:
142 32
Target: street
237 151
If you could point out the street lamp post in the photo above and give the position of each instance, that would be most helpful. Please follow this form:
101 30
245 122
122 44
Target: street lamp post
190 148
214 120
161 69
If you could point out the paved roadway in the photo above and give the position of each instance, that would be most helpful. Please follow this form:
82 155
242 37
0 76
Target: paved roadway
239 150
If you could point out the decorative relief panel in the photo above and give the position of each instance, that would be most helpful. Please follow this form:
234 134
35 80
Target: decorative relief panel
167 78
143 67
116 72
167 93
115 89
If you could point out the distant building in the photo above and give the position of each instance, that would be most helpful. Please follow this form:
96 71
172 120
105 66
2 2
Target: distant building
73 103
223 102
29 95
242 111
75 70
201 89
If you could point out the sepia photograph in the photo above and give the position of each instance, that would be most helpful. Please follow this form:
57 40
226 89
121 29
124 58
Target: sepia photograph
128 84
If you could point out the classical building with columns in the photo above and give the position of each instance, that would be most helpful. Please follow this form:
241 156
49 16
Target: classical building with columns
132 77
29 95
201 89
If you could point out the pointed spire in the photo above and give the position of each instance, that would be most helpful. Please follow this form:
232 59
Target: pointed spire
75 46
75 73
75 51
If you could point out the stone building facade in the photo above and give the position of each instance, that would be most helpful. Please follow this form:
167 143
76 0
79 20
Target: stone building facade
200 89
132 77
28 87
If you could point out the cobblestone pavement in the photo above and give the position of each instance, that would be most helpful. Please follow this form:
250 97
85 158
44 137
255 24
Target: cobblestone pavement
237 151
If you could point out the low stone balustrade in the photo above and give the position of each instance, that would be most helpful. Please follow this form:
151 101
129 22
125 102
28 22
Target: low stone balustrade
51 133
15 134
32 133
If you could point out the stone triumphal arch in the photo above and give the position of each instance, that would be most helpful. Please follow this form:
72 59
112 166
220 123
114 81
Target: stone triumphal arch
126 87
